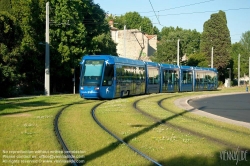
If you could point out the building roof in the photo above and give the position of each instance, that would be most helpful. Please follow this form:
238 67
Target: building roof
150 36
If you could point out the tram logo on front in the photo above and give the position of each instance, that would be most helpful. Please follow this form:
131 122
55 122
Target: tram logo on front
107 90
107 62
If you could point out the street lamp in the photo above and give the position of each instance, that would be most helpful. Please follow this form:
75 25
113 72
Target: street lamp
47 56
178 52
212 57
239 70
229 76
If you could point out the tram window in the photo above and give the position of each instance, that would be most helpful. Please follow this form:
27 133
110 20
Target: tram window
153 75
187 77
171 77
91 72
118 70
108 75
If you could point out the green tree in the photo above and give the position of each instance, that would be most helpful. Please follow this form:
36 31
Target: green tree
237 48
167 49
156 32
76 28
242 48
166 30
197 59
5 5
245 42
28 17
190 41
216 34
147 26
104 45
9 54
133 20
167 46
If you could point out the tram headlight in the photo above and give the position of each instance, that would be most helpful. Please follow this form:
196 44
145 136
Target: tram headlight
82 88
96 88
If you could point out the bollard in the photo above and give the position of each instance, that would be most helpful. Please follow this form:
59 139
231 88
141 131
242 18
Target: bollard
246 89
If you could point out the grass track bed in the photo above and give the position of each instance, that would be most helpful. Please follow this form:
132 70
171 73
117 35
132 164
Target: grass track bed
81 133
165 144
27 124
204 126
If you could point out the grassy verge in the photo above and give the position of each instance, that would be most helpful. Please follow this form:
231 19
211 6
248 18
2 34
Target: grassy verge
27 125
82 133
222 132
169 145
27 131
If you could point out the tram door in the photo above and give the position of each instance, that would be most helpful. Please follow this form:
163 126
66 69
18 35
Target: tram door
199 81
107 88
170 81
186 83
175 80
153 80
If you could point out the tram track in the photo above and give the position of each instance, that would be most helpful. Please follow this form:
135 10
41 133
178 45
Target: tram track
166 122
158 121
60 139
119 139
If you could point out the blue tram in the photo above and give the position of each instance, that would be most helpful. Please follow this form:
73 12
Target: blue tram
108 77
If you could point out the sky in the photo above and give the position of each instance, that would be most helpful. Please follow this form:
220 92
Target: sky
186 14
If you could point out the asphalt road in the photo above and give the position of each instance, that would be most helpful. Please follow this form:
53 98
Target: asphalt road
235 106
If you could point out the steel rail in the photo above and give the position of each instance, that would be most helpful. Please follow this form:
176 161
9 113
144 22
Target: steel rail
119 139
60 139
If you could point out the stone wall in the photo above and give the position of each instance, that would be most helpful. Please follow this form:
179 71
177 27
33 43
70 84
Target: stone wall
132 43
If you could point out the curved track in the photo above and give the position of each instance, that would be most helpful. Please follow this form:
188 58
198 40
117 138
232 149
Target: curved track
119 139
60 139
165 122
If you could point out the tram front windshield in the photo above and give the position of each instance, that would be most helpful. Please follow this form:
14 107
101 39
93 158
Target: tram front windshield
91 72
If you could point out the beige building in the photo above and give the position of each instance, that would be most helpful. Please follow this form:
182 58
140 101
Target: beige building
132 43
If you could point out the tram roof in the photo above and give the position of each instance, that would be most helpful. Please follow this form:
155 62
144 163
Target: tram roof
169 66
205 68
113 59
186 67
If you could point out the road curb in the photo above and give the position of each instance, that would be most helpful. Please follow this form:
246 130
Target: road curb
183 103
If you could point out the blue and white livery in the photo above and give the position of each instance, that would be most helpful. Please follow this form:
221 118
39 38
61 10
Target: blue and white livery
108 77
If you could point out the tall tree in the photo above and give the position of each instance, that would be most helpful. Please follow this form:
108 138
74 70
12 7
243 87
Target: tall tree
133 20
167 46
245 42
197 59
74 32
5 5
166 30
243 48
28 17
190 41
9 55
167 49
216 34
238 48
76 28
